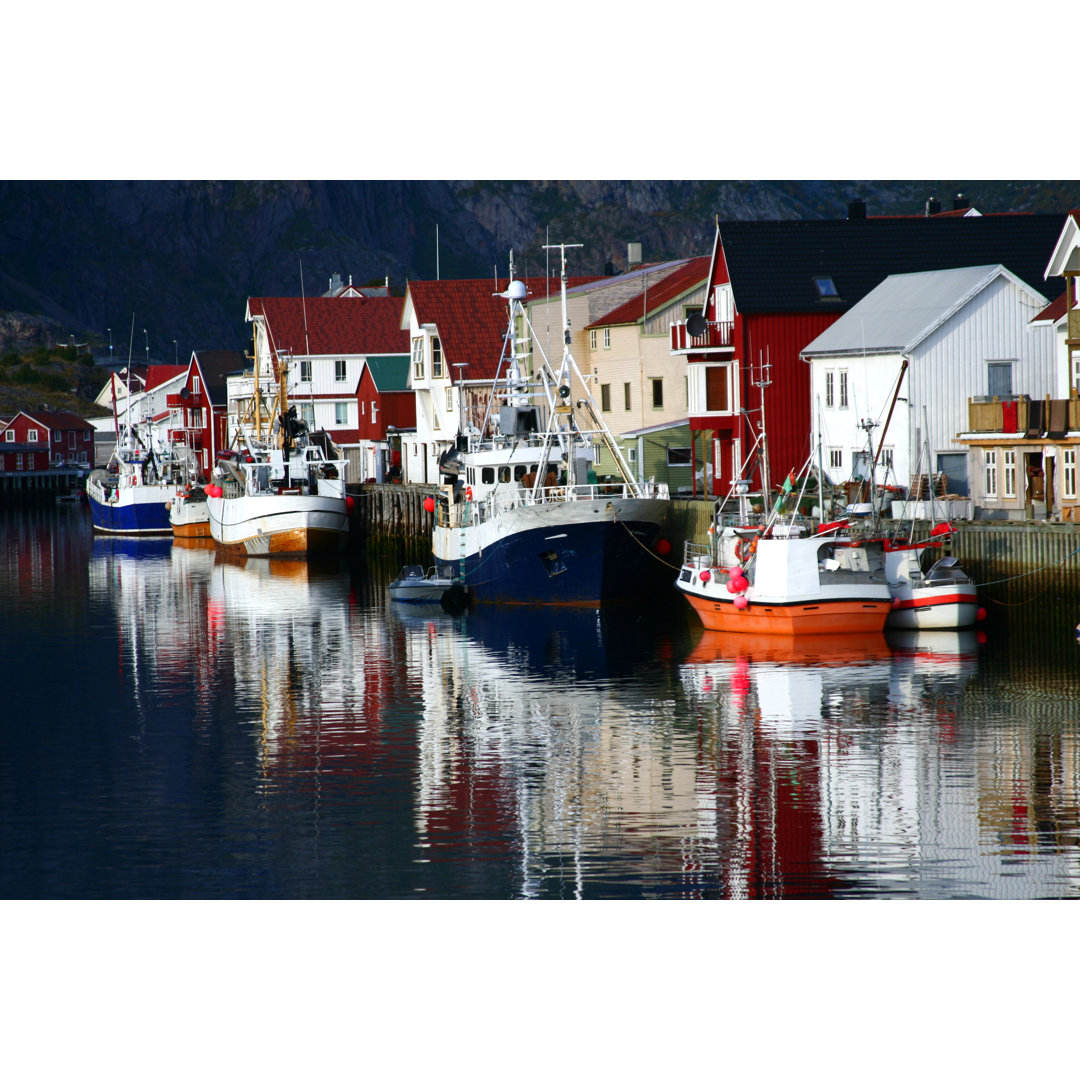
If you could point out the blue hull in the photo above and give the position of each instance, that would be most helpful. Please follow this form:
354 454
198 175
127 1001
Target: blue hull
590 564
142 517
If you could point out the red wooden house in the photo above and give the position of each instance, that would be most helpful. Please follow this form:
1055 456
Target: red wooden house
38 441
198 407
387 408
776 285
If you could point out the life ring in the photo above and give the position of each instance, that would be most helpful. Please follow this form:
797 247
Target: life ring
751 548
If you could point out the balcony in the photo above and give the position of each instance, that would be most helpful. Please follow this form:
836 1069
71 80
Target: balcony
717 335
1033 419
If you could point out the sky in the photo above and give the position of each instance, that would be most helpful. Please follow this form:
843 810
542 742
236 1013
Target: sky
226 90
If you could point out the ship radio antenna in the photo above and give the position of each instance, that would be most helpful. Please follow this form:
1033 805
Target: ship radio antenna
762 380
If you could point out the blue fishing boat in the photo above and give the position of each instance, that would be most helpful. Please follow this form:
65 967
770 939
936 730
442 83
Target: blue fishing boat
519 515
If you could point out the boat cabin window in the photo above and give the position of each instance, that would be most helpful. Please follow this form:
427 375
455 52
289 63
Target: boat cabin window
487 475
504 474
520 471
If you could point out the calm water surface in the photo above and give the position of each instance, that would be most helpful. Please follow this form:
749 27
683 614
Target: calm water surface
178 726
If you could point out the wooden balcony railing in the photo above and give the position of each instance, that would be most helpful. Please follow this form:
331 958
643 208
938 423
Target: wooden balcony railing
1020 415
717 335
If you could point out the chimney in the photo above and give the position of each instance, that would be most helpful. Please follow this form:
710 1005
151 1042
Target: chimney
961 203
933 206
856 210
633 255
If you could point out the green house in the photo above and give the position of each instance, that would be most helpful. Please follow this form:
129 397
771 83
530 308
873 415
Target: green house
662 453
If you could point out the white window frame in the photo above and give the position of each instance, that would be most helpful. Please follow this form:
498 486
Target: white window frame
830 389
592 340
418 357
305 371
9 435
32 435
341 413
195 384
1068 461
843 389
1008 473
836 457
436 358
607 337
449 399
990 475
341 371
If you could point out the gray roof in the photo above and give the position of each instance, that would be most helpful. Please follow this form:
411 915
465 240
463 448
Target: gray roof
906 308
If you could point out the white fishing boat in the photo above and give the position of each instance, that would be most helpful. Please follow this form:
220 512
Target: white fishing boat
519 515
282 494
189 513
942 597
415 585
782 573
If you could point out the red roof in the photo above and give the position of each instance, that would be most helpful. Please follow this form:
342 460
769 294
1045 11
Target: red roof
333 325
156 374
471 318
55 419
659 294
1053 311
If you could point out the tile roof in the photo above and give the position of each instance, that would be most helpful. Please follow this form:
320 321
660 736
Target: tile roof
772 264
58 418
333 326
659 293
471 318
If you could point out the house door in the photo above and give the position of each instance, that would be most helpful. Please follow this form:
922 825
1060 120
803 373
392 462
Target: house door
954 468
1035 493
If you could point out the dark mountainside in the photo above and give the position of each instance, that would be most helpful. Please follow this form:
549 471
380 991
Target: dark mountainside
182 257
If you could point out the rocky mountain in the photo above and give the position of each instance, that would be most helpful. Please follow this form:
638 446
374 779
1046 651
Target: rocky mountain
176 260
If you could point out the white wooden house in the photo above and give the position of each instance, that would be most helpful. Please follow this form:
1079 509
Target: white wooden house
957 335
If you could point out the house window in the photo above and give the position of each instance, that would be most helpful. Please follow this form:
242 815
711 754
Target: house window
887 459
843 389
716 388
18 463
307 414
999 379
631 455
195 384
836 457
626 396
607 337
9 435
657 393
436 359
1069 480
195 418
826 289
341 412
1008 470
31 435
592 340
830 391
678 455
339 370
990 489
58 436
449 399
605 397
305 371
418 357
86 436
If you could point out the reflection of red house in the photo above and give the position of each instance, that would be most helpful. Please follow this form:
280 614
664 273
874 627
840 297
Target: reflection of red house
34 442
776 285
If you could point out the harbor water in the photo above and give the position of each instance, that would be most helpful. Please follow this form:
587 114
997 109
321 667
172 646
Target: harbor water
182 726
